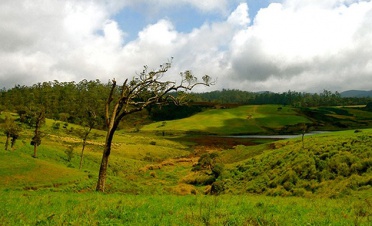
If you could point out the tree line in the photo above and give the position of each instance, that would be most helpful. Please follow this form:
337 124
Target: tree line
73 102
290 98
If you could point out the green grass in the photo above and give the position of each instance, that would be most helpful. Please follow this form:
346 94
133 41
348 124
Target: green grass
18 170
252 119
147 184
327 165
45 208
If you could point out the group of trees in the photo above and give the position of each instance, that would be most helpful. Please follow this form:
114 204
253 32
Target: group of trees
291 98
11 130
65 101
70 101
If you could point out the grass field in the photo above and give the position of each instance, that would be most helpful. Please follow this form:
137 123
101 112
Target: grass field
252 119
46 208
325 180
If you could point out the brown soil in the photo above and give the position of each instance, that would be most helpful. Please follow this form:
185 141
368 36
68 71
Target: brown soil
215 142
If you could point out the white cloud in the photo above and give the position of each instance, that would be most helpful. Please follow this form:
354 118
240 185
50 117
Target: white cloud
313 41
298 45
240 15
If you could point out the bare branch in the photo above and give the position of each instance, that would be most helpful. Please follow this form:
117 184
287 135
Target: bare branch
142 91
109 100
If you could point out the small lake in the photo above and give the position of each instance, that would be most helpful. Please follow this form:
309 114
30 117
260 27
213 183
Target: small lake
277 136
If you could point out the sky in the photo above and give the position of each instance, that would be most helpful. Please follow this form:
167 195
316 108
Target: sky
252 45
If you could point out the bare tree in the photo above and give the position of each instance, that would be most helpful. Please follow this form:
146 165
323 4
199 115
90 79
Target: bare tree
144 90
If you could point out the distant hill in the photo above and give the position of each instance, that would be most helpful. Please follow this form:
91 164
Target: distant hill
356 93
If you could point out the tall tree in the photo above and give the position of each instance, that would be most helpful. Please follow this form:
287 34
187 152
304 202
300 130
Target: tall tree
142 91
36 120
11 131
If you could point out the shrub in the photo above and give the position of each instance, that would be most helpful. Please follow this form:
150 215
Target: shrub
343 170
217 187
69 153
217 169
56 125
198 178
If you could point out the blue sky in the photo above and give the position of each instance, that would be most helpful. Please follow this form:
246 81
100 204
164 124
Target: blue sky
185 18
254 45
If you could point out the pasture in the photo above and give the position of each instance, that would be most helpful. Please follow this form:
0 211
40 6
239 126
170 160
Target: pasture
250 119
326 179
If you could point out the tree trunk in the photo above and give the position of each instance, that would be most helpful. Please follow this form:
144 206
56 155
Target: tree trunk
82 154
86 134
35 151
103 169
7 142
104 163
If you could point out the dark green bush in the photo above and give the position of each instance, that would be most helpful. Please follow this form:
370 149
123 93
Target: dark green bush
217 187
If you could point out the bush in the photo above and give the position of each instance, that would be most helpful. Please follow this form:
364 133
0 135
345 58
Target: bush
69 153
217 187
56 125
198 178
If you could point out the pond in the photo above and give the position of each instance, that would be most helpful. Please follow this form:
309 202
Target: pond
279 136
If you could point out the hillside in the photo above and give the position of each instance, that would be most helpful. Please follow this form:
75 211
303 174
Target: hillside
329 175
266 119
165 162
249 119
331 164
356 93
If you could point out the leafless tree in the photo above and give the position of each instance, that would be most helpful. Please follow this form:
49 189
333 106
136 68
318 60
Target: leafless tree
145 89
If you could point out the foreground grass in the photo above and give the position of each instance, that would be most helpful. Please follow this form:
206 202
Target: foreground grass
50 208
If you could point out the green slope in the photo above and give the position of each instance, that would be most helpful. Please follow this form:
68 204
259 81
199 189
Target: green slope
332 165
18 170
252 119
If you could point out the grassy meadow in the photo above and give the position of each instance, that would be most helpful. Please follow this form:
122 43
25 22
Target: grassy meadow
326 179
250 119
51 208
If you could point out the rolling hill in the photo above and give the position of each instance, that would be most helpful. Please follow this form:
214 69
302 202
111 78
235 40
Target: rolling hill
329 174
356 93
249 119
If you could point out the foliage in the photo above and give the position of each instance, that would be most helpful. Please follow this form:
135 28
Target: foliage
11 130
69 101
334 118
66 101
69 153
209 165
292 98
172 111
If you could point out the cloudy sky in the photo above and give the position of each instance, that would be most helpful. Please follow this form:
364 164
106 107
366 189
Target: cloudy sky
253 45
